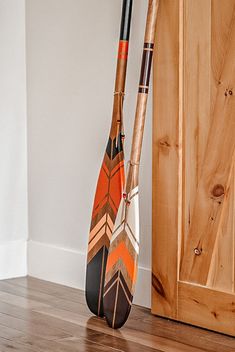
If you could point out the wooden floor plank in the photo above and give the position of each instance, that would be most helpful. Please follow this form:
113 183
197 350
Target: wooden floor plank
38 316
41 298
111 343
143 338
42 329
89 335
59 291
78 345
141 320
9 333
56 328
7 345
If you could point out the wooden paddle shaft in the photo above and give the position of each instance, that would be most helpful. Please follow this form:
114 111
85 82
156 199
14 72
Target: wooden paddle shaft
144 82
123 45
121 64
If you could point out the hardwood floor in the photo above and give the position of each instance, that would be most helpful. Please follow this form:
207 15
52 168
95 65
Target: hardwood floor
39 316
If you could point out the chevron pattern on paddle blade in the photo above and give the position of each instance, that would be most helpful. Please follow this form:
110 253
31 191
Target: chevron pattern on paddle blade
93 287
107 199
121 268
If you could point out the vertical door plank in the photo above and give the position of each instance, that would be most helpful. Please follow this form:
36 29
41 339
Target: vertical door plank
233 229
222 13
221 275
214 182
196 100
165 161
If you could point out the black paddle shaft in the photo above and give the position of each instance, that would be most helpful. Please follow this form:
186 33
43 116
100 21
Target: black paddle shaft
126 20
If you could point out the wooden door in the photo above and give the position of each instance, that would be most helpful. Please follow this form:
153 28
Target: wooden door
193 164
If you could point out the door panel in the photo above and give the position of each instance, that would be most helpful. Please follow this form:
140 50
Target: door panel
193 163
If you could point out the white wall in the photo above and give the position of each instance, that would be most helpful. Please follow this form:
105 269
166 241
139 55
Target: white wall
13 174
71 59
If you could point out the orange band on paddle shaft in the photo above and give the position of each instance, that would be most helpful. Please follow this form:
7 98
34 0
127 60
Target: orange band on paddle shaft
123 49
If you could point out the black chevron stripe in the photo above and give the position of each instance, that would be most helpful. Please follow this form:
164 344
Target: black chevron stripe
128 293
94 272
111 281
117 311
112 149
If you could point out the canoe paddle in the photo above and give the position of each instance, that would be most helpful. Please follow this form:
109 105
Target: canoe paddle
110 182
121 269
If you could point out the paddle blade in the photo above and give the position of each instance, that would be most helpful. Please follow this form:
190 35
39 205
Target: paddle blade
121 268
107 199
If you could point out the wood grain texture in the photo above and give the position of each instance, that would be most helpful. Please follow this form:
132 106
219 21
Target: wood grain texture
196 101
57 319
215 178
207 307
194 221
142 98
165 161
221 275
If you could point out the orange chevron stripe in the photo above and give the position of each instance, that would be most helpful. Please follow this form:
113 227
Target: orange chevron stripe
106 186
121 252
113 206
102 189
119 165
99 207
116 186
104 166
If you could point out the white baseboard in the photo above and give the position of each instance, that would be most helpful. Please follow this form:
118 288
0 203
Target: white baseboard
142 295
56 264
13 259
67 267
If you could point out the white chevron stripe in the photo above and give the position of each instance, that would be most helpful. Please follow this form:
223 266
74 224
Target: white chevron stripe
132 219
133 241
133 214
97 227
